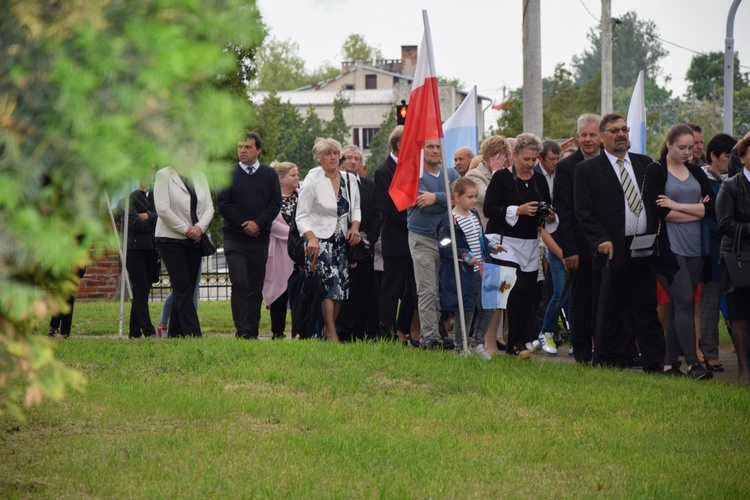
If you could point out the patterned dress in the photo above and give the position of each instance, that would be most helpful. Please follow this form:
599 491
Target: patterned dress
332 264
289 206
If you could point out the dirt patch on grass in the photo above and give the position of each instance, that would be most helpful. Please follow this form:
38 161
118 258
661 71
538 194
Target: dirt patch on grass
392 385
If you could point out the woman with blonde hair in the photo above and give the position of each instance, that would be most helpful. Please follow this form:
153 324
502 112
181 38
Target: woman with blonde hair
279 266
494 155
328 200
512 207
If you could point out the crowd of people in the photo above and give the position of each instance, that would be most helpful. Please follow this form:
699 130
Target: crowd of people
565 220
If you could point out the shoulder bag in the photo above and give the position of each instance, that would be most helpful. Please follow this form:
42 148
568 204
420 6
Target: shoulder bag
646 244
207 246
738 263
362 250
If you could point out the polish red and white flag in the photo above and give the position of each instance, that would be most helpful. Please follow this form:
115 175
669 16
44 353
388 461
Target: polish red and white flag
423 123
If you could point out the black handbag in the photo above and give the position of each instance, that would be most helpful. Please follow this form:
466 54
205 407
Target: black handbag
359 252
295 243
362 250
207 246
738 264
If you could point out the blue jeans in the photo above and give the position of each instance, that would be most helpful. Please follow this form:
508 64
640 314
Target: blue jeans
556 302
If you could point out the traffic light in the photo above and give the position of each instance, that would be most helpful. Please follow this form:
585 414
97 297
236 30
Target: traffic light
401 112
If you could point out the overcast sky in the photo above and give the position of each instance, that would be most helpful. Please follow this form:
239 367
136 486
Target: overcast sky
479 41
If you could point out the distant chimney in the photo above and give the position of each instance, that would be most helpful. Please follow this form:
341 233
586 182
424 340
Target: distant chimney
408 59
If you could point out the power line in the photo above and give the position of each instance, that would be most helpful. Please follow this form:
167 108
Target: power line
657 37
587 10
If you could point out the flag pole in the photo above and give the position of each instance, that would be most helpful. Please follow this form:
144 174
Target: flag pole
454 250
459 291
124 277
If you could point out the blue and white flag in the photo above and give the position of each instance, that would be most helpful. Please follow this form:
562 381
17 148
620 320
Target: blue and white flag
637 117
462 129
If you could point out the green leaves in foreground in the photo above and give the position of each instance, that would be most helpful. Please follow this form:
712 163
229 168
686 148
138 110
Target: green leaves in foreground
93 95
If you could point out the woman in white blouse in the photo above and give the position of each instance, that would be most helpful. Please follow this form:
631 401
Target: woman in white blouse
185 210
328 201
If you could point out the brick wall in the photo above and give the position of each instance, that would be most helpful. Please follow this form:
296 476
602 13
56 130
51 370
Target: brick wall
102 278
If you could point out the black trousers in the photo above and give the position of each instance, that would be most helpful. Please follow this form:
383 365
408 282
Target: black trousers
142 268
581 312
183 260
247 270
521 309
630 312
398 276
277 311
352 321
63 322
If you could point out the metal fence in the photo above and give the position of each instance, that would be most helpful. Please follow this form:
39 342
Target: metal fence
214 280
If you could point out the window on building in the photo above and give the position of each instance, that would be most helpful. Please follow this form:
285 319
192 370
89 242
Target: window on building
367 134
355 136
371 81
349 86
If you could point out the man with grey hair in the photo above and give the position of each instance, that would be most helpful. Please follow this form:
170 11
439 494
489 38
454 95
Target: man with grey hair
462 158
575 248
352 319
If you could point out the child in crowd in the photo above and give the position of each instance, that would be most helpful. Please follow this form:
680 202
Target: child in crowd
472 247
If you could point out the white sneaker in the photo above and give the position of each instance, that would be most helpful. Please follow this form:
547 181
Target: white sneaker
532 346
570 350
481 353
548 344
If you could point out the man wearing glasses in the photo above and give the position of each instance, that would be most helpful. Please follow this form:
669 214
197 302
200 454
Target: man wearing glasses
609 210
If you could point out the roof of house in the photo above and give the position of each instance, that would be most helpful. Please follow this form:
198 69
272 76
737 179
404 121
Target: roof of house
325 83
355 97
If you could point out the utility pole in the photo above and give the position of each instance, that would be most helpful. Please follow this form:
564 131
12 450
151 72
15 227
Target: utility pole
729 70
606 49
532 68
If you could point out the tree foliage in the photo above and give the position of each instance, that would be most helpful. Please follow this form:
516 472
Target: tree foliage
705 76
635 47
280 67
456 82
337 127
356 47
379 147
288 136
92 95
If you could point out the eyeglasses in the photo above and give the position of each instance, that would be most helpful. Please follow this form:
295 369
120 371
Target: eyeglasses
613 131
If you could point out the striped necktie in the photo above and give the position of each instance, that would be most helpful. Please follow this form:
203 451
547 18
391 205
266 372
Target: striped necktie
627 187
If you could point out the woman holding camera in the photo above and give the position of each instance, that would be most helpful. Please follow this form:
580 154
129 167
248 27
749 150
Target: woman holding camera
516 204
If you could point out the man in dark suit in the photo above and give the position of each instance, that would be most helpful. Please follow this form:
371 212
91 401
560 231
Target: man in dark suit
575 248
609 210
352 318
398 269
249 205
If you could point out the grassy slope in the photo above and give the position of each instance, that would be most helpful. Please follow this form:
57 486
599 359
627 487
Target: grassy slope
219 417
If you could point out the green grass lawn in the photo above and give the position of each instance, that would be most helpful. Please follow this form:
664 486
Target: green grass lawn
218 417
101 318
